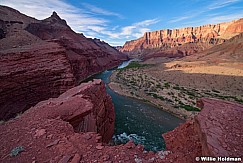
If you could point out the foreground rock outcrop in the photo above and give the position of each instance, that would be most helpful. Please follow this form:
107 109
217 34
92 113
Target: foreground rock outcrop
43 58
48 130
183 41
214 132
219 126
76 126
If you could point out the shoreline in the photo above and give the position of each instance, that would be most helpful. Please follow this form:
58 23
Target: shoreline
96 73
164 107
169 90
150 103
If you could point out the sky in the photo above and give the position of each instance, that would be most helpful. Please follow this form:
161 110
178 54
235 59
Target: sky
118 21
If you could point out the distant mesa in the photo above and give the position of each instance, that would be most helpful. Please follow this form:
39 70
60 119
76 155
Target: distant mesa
182 42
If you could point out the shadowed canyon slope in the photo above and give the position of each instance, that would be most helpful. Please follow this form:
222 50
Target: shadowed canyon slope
183 41
43 58
231 50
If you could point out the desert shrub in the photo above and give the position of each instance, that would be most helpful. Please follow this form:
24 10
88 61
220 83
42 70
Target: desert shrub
239 100
167 85
191 94
189 108
158 86
134 65
145 100
176 88
214 90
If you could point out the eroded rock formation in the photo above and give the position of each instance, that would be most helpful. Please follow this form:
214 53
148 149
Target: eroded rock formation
32 74
48 130
219 126
76 126
201 37
44 58
214 132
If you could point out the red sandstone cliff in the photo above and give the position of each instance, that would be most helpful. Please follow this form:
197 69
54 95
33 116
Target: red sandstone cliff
32 74
44 58
201 37
215 131
231 50
76 126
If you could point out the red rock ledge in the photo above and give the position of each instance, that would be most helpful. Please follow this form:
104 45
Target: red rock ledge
220 128
216 131
76 126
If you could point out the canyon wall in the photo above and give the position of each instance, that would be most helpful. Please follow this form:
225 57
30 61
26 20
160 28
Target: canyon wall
32 74
43 58
76 126
205 36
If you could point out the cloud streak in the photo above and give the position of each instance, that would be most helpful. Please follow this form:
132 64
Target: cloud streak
178 19
220 4
100 11
89 20
189 18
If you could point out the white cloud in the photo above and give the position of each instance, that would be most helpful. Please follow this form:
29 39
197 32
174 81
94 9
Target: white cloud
224 18
221 3
178 19
127 30
138 29
77 18
101 11
147 22
205 15
89 20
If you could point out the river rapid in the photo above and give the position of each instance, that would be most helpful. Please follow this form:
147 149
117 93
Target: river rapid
138 121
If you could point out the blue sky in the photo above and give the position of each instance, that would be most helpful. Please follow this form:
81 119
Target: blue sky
117 21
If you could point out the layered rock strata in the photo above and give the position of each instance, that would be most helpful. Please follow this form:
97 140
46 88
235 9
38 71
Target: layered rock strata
44 58
33 74
204 36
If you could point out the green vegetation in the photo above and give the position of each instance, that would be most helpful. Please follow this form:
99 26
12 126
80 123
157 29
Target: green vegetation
168 100
176 88
239 100
145 100
189 108
156 96
135 65
167 85
192 94
214 90
158 86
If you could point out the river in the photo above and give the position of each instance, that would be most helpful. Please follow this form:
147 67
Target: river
139 121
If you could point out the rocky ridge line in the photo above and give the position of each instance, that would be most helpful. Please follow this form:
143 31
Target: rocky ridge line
44 58
200 38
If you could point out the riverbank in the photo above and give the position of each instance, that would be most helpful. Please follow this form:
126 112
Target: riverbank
124 90
134 119
172 90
